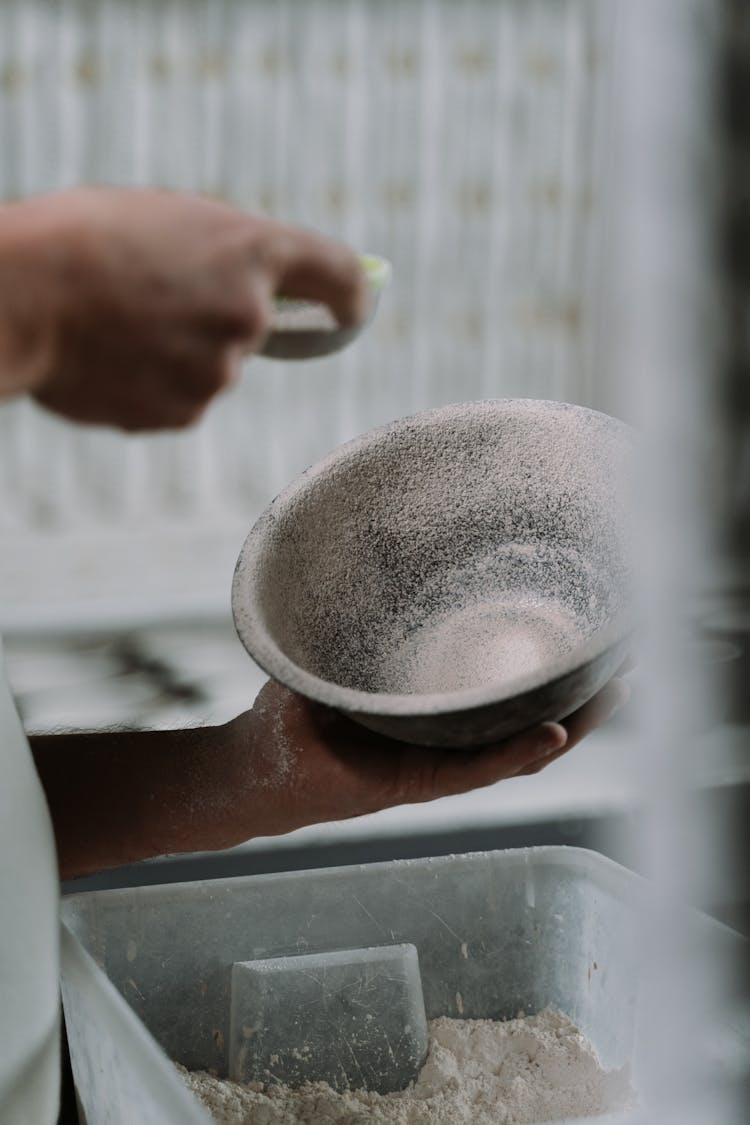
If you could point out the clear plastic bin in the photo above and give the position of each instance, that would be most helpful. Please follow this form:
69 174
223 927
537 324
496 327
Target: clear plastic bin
495 933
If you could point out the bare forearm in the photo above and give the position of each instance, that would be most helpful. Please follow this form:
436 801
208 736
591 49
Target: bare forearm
119 797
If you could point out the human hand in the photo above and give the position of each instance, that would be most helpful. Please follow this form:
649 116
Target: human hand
133 307
121 796
297 762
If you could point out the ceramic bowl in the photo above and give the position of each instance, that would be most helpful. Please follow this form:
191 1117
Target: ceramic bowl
449 579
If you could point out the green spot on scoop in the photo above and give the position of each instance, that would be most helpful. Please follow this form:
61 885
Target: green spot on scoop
377 270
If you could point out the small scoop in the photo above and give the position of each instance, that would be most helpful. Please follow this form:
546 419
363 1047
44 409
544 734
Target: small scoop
308 329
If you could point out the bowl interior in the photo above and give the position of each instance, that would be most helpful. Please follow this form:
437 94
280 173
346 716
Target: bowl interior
470 546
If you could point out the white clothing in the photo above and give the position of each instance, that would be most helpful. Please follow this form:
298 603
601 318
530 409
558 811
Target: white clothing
29 912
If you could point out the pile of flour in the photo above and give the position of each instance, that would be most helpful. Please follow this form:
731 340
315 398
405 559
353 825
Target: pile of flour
478 1072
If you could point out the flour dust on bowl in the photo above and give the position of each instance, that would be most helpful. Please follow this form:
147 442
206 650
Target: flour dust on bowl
451 578
279 973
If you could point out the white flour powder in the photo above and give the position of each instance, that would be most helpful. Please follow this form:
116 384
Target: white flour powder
531 1069
290 315
488 643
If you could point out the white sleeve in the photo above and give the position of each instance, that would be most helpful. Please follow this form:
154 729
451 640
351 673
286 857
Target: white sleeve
29 958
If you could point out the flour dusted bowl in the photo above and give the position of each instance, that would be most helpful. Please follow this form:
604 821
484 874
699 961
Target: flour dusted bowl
449 579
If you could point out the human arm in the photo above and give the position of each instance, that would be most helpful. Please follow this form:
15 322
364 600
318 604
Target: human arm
133 307
118 797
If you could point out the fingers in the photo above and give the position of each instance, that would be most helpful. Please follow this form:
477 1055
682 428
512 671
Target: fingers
242 317
381 773
304 264
177 395
597 711
428 774
179 414
593 714
200 376
431 774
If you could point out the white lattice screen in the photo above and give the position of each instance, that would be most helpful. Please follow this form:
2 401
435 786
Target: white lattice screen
463 139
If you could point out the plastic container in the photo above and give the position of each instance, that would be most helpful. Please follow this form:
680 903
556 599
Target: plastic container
493 934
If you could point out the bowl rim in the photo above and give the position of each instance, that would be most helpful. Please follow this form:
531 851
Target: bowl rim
261 646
